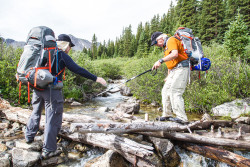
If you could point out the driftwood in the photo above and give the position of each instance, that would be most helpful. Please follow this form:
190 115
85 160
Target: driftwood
195 138
217 154
136 153
144 126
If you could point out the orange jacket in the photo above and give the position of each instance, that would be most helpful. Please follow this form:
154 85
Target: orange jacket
174 44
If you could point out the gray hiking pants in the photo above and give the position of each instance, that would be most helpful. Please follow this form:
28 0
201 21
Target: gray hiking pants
52 100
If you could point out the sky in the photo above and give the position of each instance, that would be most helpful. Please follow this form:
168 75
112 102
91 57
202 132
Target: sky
81 18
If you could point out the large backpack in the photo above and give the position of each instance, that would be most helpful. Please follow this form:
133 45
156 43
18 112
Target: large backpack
34 67
193 48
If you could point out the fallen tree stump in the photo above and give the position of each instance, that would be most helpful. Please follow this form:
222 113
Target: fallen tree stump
217 154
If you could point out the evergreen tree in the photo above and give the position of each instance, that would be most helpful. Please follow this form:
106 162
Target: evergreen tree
127 44
210 21
94 47
188 14
100 50
236 38
169 21
142 49
155 24
116 49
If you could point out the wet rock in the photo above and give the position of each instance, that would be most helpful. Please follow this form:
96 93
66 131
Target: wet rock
16 126
8 133
233 109
110 81
245 120
34 146
154 104
109 159
75 103
64 144
4 161
3 147
22 157
128 108
53 161
10 144
126 91
4 125
206 117
103 109
70 100
166 149
80 147
74 155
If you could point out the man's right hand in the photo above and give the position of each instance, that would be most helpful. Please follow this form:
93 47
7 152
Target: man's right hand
101 81
156 65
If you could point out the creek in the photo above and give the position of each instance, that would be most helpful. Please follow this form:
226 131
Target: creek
188 159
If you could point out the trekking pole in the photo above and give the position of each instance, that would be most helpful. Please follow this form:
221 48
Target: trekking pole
127 81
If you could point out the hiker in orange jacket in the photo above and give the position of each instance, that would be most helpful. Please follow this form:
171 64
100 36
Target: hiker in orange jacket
176 81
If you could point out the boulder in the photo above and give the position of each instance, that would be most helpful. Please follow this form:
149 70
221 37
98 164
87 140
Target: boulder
4 125
3 147
103 109
53 161
126 91
109 159
245 120
128 107
22 157
4 161
166 149
233 109
75 103
34 146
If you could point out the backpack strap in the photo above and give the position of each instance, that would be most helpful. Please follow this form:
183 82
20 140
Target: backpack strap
48 49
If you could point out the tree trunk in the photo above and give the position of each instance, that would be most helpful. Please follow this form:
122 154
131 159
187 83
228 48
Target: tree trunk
136 153
195 138
143 126
217 154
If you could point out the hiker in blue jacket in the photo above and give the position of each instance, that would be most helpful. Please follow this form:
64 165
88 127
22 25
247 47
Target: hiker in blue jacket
52 99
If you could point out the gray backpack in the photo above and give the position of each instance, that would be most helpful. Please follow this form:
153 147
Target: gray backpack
191 44
34 67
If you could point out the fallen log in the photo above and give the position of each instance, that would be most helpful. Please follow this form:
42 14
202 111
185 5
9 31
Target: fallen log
217 154
195 138
136 153
116 127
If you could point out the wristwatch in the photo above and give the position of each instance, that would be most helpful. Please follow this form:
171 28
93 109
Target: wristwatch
161 61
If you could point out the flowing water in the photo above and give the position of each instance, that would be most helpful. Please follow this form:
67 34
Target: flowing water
188 159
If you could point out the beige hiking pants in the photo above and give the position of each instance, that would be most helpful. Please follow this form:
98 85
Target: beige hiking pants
172 92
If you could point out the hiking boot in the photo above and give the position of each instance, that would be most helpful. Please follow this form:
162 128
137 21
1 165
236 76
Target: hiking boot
163 118
178 120
48 154
29 141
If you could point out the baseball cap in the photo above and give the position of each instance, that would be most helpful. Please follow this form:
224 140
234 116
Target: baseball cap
154 36
65 37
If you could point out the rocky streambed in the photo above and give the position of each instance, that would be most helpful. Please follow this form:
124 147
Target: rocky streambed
113 108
